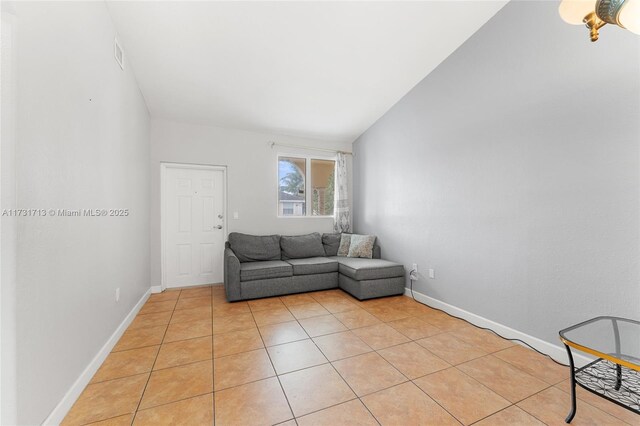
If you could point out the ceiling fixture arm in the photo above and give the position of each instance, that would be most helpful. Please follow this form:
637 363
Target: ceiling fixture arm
594 23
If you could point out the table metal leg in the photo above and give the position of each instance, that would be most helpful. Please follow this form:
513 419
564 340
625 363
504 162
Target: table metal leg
572 413
618 376
616 335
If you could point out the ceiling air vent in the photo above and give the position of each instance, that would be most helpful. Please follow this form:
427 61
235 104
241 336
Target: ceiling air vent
118 53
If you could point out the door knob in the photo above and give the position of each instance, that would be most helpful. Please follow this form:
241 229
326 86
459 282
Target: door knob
219 227
219 216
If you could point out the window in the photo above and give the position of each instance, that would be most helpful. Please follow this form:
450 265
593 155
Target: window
292 176
322 177
305 186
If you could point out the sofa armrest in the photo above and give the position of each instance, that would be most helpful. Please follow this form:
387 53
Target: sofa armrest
231 275
376 252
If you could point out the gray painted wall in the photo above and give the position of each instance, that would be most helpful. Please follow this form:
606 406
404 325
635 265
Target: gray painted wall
252 180
513 170
82 142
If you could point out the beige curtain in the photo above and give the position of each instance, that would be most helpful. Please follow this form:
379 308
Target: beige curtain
342 212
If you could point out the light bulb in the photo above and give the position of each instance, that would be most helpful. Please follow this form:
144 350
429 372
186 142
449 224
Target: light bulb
630 15
574 11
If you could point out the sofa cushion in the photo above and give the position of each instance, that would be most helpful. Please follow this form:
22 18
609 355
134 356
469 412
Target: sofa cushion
331 243
345 242
253 248
313 265
368 269
361 246
251 271
301 246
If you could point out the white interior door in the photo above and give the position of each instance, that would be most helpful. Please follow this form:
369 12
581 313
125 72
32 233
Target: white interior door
194 229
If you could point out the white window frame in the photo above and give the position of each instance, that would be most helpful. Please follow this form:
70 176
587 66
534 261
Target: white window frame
308 192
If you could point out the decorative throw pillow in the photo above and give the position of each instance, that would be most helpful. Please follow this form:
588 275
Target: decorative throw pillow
361 246
345 242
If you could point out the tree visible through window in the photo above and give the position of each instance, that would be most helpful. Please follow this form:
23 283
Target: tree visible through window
292 174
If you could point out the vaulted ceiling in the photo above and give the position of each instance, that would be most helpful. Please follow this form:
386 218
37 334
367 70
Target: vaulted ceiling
327 70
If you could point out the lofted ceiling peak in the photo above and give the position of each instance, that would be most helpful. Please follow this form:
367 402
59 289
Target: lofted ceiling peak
326 70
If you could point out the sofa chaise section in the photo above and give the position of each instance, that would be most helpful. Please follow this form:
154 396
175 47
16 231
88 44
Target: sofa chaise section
370 278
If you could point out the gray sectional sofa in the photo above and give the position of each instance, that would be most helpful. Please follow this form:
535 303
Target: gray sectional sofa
273 265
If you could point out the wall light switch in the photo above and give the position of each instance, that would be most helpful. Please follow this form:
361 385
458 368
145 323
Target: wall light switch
236 216
432 273
118 294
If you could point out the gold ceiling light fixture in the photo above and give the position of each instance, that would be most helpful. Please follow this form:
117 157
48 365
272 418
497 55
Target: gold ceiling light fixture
597 13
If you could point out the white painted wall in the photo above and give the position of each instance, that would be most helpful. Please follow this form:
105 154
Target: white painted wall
252 182
8 226
82 142
513 170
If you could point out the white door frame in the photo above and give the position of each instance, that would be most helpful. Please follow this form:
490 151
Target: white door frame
163 187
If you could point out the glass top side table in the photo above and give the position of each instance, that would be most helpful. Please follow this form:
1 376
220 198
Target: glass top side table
615 374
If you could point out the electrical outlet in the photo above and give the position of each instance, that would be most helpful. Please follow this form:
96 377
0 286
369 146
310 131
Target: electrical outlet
236 216
118 294
432 273
413 274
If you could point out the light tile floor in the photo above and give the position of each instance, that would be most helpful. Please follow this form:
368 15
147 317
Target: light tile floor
322 358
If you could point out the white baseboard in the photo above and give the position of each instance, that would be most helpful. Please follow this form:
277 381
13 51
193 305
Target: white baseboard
556 352
63 407
156 289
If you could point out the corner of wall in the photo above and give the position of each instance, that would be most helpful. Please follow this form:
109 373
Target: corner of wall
60 411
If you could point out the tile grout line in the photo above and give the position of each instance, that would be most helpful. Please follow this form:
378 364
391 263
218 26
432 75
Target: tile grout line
171 402
456 367
511 404
492 414
372 350
328 362
436 401
274 369
118 415
553 386
213 355
120 377
568 393
515 404
442 331
297 320
145 386
138 374
135 413
213 358
409 380
213 363
531 414
336 370
377 351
